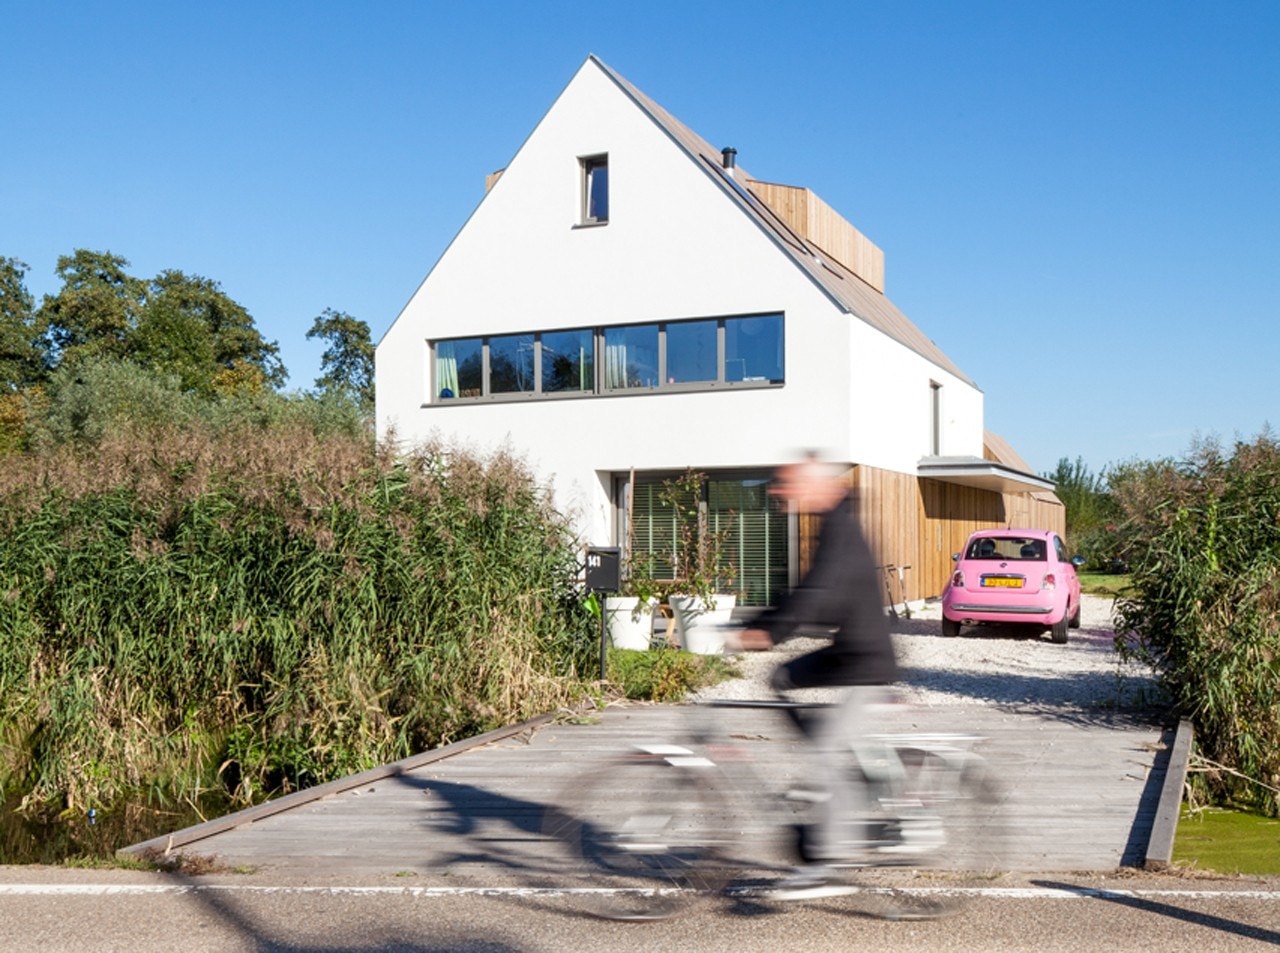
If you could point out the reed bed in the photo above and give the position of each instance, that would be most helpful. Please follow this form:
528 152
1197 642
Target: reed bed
255 609
1204 607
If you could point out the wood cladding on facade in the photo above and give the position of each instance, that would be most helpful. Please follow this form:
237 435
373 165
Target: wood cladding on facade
920 523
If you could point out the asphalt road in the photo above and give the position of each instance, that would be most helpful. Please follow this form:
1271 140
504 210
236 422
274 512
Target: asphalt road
45 910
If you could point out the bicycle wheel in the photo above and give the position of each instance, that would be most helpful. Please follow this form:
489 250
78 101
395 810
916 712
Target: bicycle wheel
636 838
949 842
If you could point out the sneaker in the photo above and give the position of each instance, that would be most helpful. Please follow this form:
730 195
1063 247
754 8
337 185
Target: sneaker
811 882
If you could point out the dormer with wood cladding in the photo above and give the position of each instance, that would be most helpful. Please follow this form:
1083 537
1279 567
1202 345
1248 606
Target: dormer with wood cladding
818 223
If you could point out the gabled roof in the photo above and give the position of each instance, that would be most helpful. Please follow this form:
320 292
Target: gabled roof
845 289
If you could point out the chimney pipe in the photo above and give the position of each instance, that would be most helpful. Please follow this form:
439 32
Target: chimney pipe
730 155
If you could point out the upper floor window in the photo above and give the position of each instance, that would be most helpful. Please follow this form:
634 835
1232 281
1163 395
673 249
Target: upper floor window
753 349
935 418
695 354
595 190
568 361
460 368
692 352
511 364
631 356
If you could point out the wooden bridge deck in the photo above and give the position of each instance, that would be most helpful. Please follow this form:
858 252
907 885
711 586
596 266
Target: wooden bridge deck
1079 792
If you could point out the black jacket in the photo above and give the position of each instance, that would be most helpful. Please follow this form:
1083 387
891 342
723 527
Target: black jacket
840 592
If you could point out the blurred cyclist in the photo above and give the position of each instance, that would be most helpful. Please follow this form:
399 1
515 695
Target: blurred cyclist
840 596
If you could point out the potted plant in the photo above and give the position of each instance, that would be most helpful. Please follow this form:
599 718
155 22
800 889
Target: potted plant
630 612
701 606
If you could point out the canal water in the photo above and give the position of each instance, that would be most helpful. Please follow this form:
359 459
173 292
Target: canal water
96 836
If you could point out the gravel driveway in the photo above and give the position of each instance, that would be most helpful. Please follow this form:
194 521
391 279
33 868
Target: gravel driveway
1004 667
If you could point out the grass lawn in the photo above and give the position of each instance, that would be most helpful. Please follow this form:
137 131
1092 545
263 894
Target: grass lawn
1103 584
1230 842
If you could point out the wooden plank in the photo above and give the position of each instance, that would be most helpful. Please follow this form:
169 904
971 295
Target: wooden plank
1165 825
189 835
1069 801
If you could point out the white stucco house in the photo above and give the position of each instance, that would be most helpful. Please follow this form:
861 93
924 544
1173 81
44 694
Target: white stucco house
626 302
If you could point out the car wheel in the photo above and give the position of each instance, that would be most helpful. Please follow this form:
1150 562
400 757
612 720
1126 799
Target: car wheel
1059 631
950 629
1075 618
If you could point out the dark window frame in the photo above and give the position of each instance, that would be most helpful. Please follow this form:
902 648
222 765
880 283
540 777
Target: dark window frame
600 385
764 567
594 174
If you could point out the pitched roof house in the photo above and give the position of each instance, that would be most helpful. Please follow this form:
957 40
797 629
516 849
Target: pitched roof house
627 302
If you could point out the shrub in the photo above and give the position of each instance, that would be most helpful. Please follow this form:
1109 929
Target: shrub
96 399
1204 607
266 607
663 674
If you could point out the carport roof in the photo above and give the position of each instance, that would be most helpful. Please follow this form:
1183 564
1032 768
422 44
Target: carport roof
983 474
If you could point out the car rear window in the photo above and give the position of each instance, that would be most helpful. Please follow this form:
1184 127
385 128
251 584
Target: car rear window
1007 548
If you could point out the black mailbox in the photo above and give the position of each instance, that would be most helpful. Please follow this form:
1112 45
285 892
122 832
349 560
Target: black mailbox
604 568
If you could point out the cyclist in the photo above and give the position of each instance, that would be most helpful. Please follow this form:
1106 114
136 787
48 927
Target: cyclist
839 594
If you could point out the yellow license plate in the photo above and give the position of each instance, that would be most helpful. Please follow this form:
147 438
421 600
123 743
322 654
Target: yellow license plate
1001 582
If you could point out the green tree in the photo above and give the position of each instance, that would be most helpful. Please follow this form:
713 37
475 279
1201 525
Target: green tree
347 363
97 307
94 396
178 324
23 354
191 328
1091 512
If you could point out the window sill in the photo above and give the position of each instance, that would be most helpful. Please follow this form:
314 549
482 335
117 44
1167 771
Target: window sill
668 390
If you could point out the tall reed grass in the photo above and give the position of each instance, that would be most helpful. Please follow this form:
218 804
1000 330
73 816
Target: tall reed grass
259 608
1204 605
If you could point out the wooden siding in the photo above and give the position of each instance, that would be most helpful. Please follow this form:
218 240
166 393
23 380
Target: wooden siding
949 513
921 523
817 222
1037 511
888 511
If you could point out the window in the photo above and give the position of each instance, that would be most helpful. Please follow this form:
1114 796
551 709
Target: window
654 528
595 190
511 364
568 362
631 356
753 349
756 540
757 536
935 418
460 368
694 354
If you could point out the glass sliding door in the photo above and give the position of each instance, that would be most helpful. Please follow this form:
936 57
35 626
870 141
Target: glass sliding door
756 537
756 540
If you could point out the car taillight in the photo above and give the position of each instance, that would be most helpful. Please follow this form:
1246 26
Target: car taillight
1050 581
957 580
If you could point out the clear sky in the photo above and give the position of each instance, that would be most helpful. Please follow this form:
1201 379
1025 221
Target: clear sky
1078 201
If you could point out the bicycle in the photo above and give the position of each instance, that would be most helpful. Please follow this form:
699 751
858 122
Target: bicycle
669 822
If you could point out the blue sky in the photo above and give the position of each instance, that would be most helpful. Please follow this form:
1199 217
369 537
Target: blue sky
1079 202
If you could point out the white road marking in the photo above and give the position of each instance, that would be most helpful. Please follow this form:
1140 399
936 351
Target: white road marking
998 893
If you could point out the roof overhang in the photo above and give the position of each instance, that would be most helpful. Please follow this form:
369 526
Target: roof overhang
982 474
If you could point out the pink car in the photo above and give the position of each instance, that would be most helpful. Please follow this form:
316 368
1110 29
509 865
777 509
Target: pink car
1014 576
